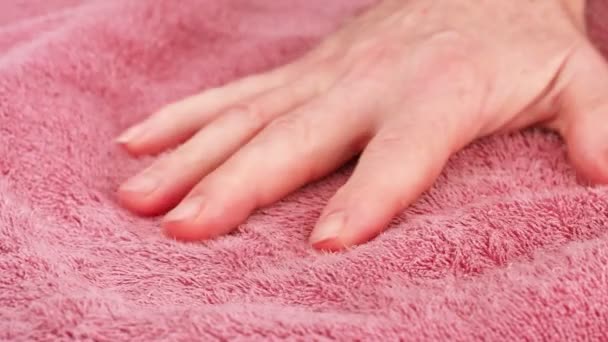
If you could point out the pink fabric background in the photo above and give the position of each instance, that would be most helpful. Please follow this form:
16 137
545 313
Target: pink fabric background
507 245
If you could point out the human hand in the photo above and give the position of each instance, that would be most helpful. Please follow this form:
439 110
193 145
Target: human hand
408 84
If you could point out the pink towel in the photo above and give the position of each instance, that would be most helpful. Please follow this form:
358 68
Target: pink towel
508 245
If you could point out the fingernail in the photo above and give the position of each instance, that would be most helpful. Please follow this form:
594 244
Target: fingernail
129 135
329 228
142 184
187 210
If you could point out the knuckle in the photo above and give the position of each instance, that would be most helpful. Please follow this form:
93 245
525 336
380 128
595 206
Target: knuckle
409 142
295 128
386 142
390 139
162 166
319 72
450 42
252 113
184 158
448 65
372 58
292 94
200 189
255 113
291 131
324 76
447 55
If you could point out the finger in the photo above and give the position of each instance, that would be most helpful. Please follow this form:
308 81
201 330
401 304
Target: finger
164 183
293 150
401 162
177 122
393 171
583 121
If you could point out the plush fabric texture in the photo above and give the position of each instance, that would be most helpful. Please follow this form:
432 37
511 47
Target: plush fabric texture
508 245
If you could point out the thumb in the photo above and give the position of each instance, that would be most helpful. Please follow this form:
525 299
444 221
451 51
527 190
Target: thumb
583 120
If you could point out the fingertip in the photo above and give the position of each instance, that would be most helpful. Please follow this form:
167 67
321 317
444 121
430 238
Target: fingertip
329 245
188 220
591 164
129 134
200 228
145 204
184 231
152 137
129 148
202 218
350 238
344 230
131 144
133 140
588 151
146 146
136 203
584 115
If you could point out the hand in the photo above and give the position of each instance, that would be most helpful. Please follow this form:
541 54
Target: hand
408 84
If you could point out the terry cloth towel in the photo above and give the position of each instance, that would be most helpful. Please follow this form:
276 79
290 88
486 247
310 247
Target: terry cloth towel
508 245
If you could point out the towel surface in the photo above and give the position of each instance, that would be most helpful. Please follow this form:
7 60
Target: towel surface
508 245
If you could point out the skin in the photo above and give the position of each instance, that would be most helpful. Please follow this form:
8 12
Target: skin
405 85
